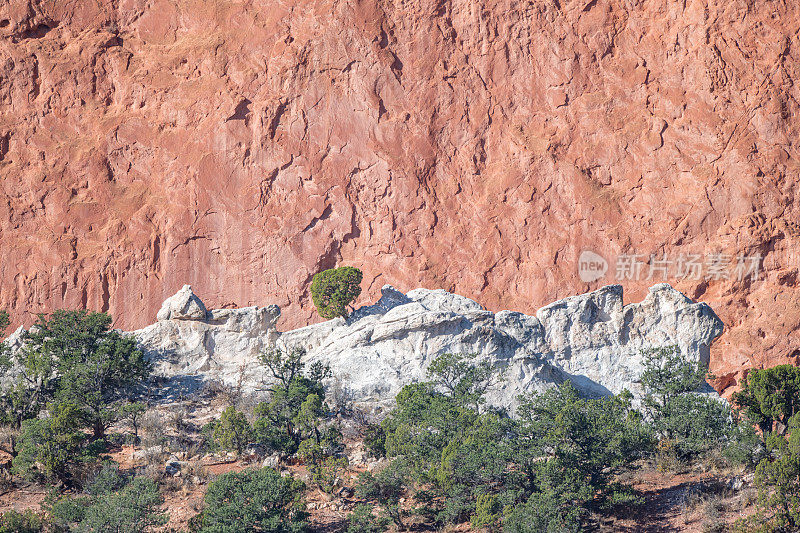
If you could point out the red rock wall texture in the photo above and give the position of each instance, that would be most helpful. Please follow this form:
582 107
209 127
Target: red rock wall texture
478 146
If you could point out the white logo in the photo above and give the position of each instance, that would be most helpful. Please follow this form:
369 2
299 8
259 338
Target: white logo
591 266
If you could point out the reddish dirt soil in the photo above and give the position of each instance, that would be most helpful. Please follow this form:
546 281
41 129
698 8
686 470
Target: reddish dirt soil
674 502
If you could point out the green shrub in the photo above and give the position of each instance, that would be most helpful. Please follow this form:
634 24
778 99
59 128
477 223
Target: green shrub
437 438
695 424
473 464
65 514
334 289
362 520
49 447
385 488
375 440
688 424
770 395
552 465
558 460
24 522
548 512
110 506
133 509
270 435
254 500
462 379
744 447
97 367
295 410
487 512
232 432
106 480
310 415
571 445
422 424
327 472
770 399
778 480
70 358
133 412
310 451
28 382
325 469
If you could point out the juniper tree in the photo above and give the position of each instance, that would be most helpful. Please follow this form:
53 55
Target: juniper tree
688 423
254 500
75 357
770 395
334 289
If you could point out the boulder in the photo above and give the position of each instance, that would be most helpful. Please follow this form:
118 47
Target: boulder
271 461
147 453
173 466
14 341
183 305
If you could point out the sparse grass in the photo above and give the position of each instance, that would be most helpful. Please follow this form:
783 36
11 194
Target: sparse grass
195 473
154 472
177 419
749 495
6 482
152 429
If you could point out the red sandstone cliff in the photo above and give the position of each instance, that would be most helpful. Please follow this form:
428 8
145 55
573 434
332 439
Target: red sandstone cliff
479 146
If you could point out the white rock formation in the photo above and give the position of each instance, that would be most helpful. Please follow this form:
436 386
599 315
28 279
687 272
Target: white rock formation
14 341
591 339
183 305
223 345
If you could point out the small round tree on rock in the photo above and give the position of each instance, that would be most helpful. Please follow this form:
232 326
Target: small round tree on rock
334 289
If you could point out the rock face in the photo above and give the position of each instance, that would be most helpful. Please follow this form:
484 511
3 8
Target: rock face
480 147
591 339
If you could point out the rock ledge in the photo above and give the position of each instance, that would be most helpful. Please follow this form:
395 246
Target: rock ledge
591 339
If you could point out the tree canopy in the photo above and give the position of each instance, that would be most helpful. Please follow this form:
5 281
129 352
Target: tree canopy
687 423
770 395
75 357
254 500
334 289
72 373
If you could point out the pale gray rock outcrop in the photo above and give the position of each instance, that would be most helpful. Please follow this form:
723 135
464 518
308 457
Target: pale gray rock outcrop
183 305
590 339
221 344
14 341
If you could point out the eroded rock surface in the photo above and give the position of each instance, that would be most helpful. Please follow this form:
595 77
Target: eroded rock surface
591 339
183 305
475 146
221 344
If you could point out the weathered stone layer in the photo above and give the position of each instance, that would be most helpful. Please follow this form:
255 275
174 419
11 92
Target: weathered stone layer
591 339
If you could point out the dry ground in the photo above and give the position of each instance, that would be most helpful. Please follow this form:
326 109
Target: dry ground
691 502
684 501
